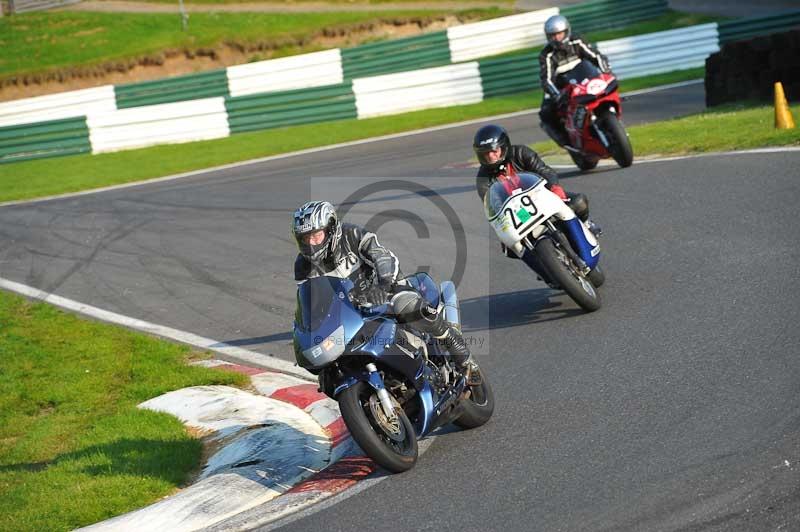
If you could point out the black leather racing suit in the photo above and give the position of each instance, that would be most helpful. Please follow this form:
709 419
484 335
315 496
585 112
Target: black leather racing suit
555 60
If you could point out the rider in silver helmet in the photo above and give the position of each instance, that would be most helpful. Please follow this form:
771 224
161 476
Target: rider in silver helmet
563 52
329 247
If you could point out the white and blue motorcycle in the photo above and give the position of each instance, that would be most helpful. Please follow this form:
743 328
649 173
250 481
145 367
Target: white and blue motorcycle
394 384
543 231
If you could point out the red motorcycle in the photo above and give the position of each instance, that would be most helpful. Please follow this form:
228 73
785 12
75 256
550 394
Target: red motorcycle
592 117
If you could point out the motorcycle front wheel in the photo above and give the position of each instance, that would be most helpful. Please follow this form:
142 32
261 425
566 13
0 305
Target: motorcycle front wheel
561 270
620 149
583 162
391 444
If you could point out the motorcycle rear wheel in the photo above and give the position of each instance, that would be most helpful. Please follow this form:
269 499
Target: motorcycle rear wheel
478 407
561 270
620 148
395 454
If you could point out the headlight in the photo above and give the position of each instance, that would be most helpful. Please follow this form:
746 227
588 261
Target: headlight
596 86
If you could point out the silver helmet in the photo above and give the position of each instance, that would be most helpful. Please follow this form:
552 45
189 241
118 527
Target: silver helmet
311 217
556 24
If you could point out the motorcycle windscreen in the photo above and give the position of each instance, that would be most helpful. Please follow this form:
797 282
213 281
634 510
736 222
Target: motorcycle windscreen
325 321
503 189
315 299
584 70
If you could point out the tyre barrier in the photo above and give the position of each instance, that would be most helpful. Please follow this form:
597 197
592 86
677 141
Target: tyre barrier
748 70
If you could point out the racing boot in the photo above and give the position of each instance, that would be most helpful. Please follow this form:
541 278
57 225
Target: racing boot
452 340
594 228
410 307
558 134
580 204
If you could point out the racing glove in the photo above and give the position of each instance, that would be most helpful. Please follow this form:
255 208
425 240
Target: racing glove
558 190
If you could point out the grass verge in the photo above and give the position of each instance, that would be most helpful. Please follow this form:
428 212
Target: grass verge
45 177
726 128
74 449
39 42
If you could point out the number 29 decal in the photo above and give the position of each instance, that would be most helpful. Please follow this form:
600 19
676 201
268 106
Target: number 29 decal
522 214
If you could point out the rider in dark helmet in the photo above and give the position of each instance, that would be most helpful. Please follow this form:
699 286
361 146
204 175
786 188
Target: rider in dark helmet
561 54
329 247
498 157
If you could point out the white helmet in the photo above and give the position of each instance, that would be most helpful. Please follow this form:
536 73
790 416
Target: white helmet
556 24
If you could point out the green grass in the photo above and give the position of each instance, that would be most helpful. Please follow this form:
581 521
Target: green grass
727 128
44 177
74 449
42 41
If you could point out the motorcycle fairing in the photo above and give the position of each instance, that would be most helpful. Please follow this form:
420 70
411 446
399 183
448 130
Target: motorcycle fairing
590 91
517 213
319 342
582 241
383 346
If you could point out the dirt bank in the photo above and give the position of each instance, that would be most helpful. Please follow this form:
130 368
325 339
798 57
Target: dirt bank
185 61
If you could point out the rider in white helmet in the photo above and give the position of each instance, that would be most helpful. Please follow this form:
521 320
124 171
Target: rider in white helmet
562 53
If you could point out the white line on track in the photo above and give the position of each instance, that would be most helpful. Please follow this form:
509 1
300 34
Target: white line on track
779 149
322 149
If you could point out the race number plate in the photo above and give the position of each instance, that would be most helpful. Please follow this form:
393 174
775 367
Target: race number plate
519 215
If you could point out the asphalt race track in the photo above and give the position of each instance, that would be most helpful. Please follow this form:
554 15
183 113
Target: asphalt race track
674 407
213 254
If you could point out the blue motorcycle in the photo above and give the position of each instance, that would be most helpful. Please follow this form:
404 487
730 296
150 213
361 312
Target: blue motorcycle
394 384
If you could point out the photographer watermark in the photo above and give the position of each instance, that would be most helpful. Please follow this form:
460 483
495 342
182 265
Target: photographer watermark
421 221
416 222
473 341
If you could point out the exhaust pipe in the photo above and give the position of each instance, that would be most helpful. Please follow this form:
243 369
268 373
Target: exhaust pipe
450 300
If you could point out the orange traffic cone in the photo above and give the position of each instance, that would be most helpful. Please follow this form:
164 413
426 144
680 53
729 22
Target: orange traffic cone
783 117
